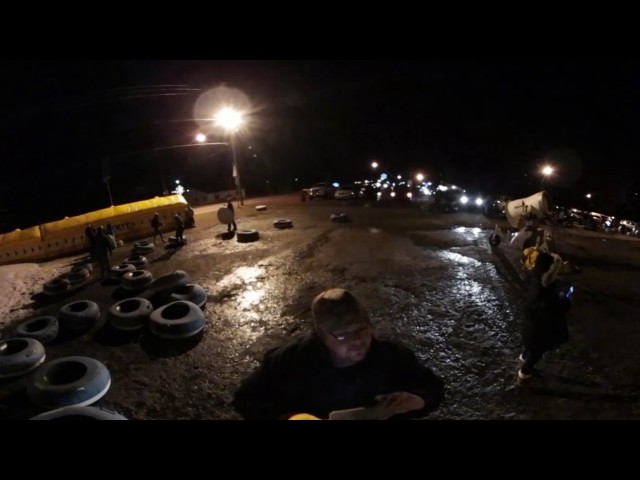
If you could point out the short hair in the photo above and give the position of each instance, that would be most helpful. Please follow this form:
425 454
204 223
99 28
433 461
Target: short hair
337 308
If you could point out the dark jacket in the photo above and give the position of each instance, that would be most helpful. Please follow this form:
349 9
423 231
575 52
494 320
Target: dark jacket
545 325
300 378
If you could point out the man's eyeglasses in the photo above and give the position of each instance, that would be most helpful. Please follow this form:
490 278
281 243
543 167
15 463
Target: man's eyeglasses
352 335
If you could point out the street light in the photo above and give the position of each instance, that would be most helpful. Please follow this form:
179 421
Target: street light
546 171
231 119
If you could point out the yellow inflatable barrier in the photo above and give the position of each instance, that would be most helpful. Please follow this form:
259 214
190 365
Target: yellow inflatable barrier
66 237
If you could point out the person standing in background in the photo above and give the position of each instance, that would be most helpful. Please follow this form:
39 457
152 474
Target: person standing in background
229 205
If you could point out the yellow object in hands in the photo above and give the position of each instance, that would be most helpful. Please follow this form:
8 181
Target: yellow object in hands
303 416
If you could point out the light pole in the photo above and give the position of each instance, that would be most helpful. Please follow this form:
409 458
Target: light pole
231 120
106 181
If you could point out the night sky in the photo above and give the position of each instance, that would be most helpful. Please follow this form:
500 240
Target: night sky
484 126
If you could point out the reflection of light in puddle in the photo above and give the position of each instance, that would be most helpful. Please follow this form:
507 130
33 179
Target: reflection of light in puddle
242 275
456 257
374 230
250 297
475 230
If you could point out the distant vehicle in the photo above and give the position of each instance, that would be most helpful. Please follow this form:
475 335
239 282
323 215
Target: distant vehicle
321 190
628 227
345 192
495 206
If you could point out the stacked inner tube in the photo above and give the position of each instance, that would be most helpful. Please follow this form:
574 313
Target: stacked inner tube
44 328
68 381
19 356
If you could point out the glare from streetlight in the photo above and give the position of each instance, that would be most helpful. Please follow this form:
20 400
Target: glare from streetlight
228 118
547 170
201 138
374 164
419 177
588 195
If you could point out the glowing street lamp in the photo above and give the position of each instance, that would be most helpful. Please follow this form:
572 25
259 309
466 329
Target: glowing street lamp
546 171
231 119
374 165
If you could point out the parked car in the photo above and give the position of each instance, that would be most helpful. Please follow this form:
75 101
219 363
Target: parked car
321 190
345 192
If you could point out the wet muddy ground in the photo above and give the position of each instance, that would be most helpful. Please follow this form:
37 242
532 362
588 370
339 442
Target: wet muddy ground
429 280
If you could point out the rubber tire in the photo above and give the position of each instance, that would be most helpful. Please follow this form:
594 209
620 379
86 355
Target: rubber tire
245 236
79 315
190 292
143 247
56 286
79 413
118 271
69 381
177 320
130 313
340 218
283 223
167 283
138 261
44 328
19 356
78 276
137 280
